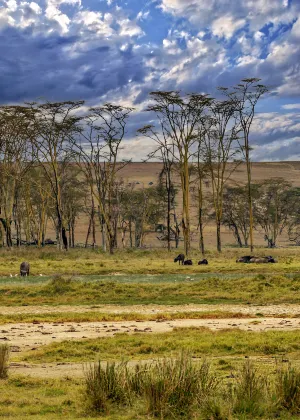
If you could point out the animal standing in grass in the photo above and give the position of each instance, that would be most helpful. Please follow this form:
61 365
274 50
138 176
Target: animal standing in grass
24 269
179 258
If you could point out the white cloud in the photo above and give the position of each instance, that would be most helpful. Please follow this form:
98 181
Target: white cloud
291 106
226 26
129 28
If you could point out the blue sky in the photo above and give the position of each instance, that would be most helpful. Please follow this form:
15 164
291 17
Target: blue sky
119 51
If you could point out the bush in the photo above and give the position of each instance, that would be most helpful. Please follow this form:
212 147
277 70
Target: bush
250 391
60 284
105 385
288 389
4 358
174 387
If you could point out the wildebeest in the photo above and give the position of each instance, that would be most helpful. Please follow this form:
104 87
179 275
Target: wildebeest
24 268
262 260
188 262
179 258
203 262
245 259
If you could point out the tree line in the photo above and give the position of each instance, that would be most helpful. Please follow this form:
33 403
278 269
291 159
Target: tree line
59 160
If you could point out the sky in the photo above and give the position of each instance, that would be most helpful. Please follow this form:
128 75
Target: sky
120 50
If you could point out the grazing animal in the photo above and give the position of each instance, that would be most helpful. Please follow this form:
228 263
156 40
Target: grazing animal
257 260
24 269
188 262
203 262
245 259
179 258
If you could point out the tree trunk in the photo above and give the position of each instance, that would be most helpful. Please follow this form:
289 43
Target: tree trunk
93 223
237 235
130 233
201 239
88 233
250 201
219 245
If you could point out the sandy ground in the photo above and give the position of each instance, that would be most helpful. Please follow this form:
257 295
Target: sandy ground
24 337
267 310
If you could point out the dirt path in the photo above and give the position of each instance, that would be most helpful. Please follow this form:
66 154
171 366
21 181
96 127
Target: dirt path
267 310
23 337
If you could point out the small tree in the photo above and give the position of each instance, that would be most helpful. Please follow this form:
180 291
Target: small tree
294 219
272 208
236 214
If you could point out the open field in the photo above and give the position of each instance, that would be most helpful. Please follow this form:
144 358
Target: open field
141 307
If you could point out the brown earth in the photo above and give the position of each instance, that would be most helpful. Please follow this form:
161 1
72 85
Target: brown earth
142 174
24 337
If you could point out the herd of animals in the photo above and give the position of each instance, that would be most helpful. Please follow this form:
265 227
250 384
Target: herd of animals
25 266
246 259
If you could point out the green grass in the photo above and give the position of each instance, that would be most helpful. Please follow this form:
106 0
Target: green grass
260 289
198 341
49 261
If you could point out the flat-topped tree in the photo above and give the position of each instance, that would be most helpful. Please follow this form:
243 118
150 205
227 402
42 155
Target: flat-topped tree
97 153
178 120
16 133
55 124
220 144
164 151
246 96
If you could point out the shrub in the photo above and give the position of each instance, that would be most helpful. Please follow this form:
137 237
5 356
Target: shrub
106 384
250 391
174 387
288 389
60 284
4 358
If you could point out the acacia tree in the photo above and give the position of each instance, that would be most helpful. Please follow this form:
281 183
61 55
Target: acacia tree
294 219
219 134
246 96
235 213
16 131
272 208
96 151
55 124
165 152
179 119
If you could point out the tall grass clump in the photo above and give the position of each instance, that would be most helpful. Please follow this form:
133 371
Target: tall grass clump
4 358
172 387
288 389
60 284
105 385
250 392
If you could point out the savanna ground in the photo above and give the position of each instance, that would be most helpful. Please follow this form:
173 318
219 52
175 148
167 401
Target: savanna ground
82 306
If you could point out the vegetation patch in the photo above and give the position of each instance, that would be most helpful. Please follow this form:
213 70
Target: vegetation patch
198 341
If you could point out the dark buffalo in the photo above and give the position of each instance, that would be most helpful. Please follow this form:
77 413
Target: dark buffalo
188 262
179 258
203 262
24 269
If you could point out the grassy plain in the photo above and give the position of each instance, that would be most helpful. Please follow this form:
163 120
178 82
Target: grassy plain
147 277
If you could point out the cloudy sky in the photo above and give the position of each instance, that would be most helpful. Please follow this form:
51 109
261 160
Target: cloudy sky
120 50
